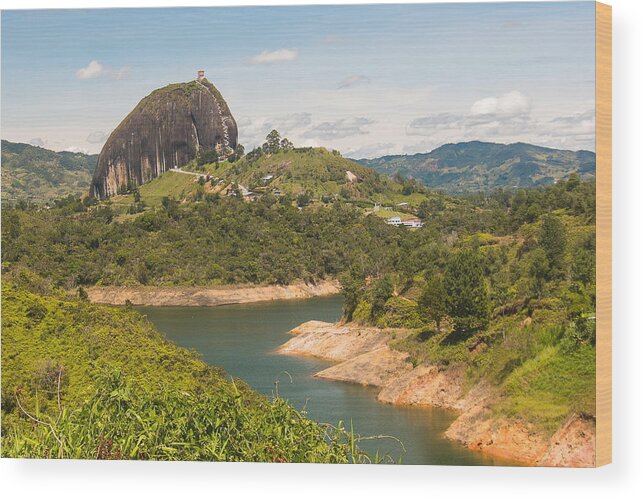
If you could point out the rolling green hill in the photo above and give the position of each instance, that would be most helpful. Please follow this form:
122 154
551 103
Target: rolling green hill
304 176
484 166
40 175
321 173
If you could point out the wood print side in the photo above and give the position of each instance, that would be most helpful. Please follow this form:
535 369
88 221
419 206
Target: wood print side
603 234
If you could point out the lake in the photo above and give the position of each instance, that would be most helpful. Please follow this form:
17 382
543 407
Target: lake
242 339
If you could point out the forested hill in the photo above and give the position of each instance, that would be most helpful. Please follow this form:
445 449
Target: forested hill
485 166
39 175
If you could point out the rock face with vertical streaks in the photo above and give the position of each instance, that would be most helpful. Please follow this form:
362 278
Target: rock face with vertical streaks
167 129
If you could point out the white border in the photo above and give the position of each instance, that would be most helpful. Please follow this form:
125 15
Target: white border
51 479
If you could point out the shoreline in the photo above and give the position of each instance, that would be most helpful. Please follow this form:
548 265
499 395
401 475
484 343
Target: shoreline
200 296
361 355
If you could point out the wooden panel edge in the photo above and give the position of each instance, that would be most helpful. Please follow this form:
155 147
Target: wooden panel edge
603 234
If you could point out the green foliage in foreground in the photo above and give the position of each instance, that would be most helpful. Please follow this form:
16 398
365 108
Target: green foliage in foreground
121 421
83 381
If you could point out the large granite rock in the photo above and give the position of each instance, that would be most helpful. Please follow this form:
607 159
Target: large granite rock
167 129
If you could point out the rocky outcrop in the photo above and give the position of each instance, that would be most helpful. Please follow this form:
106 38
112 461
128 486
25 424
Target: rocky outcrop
573 444
334 342
207 297
167 129
364 357
425 385
377 368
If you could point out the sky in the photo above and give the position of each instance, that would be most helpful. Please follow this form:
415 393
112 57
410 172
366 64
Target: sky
367 80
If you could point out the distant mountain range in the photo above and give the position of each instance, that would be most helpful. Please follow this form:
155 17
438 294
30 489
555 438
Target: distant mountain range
37 174
485 166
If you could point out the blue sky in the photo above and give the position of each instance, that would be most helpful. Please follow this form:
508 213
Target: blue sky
367 80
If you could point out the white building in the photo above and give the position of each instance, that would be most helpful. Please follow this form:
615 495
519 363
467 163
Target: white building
412 222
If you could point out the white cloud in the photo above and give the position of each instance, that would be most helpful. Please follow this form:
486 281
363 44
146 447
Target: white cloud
97 137
506 119
507 115
93 70
412 118
37 141
339 129
75 149
119 74
254 130
370 150
289 122
577 130
510 104
351 81
268 57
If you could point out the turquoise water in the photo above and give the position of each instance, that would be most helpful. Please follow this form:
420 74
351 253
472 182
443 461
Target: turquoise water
242 339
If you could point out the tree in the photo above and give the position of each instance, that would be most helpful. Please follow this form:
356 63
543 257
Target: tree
433 301
584 266
286 199
238 153
273 142
352 289
303 199
82 294
467 296
381 291
431 207
553 240
573 181
207 157
171 206
10 225
254 154
285 145
408 187
538 270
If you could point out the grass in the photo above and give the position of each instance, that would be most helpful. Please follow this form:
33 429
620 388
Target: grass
170 183
548 387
